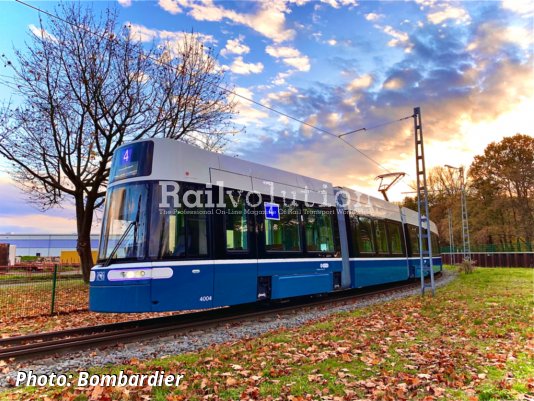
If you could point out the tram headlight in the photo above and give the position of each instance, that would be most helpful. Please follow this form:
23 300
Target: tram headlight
133 274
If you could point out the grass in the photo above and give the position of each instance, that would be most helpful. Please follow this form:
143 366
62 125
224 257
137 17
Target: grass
473 341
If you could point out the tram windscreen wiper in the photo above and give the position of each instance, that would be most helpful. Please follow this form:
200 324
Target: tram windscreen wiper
132 224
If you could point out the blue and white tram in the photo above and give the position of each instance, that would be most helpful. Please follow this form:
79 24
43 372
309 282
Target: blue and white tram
185 228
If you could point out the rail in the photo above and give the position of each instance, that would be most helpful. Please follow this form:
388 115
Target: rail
29 346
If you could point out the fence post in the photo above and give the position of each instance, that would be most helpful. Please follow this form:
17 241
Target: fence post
54 280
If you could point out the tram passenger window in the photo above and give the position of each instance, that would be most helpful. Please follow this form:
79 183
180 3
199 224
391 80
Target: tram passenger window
284 235
319 230
236 225
381 237
178 232
173 236
196 234
435 245
395 237
353 221
365 235
414 239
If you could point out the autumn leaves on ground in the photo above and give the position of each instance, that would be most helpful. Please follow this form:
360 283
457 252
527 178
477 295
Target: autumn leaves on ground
473 341
25 308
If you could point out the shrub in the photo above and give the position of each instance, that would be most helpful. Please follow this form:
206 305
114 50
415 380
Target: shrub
467 265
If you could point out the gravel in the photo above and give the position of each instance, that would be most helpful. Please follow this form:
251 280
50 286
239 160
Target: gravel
195 340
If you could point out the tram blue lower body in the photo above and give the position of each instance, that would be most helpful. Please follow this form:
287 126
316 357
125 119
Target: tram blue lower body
212 284
123 298
367 272
207 285
437 266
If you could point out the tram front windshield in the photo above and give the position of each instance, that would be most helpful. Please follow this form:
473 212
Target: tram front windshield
124 226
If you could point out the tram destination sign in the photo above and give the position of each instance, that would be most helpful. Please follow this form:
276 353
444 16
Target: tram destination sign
272 211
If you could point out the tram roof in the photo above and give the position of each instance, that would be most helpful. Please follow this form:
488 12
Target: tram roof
178 161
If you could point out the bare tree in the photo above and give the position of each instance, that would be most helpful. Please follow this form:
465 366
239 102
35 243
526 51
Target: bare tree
86 87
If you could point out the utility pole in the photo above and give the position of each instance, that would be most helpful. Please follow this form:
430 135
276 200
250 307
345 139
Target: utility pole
465 220
451 237
466 242
425 255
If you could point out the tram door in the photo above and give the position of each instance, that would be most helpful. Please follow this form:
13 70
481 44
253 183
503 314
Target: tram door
235 269
188 273
235 266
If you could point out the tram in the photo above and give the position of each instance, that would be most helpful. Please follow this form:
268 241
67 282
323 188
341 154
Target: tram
185 228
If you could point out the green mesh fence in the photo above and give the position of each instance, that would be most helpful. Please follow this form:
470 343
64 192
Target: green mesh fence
28 291
518 247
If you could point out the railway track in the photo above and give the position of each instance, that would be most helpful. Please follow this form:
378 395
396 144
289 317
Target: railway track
30 346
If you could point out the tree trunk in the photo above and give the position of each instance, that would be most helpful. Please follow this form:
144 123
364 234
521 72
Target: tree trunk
84 217
86 255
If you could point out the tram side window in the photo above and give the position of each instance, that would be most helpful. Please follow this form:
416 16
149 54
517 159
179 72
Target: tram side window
284 235
381 237
196 234
353 221
435 245
365 235
414 239
178 232
319 230
395 237
236 225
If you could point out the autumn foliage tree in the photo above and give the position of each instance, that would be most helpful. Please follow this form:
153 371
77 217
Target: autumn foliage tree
502 179
500 195
86 86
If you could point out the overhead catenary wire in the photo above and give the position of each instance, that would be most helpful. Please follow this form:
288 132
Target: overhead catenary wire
236 94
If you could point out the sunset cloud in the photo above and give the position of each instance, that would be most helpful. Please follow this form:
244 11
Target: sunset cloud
289 56
247 112
340 67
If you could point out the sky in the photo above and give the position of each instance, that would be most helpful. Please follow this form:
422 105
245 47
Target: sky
339 65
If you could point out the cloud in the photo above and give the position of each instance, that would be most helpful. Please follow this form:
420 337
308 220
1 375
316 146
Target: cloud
305 129
289 56
125 3
170 6
340 3
449 12
235 46
280 97
142 33
42 33
400 39
240 67
280 78
373 16
524 8
491 37
394 84
39 223
362 82
19 216
269 20
172 41
457 91
247 113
